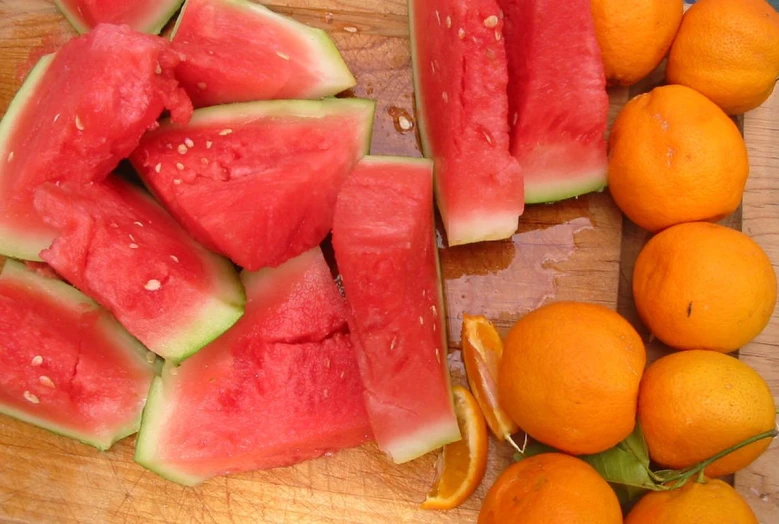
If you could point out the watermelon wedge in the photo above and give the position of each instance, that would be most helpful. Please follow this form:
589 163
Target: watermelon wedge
290 156
385 249
256 397
460 81
557 97
66 365
146 16
77 115
239 51
118 246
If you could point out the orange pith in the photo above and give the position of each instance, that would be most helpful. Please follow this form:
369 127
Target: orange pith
462 464
482 351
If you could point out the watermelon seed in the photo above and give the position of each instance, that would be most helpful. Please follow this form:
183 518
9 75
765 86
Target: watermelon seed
182 149
404 123
225 132
461 33
158 168
133 246
438 17
282 55
37 360
189 143
445 96
179 166
327 363
132 238
342 374
497 35
209 144
201 85
448 22
432 308
515 119
10 156
438 355
79 125
432 66
174 258
177 181
29 397
350 29
56 117
137 223
152 285
394 342
46 381
158 69
491 21
421 321
487 136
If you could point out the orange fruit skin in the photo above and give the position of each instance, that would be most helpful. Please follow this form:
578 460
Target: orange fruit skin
729 51
570 375
694 404
548 489
704 286
635 36
674 156
714 501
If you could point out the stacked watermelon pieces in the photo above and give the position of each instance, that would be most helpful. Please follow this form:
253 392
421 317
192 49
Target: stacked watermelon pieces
194 288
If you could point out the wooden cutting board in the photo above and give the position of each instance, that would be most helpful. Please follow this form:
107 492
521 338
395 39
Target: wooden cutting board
581 249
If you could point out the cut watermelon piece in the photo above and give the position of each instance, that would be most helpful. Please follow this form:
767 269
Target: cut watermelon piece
460 81
240 51
146 16
557 97
66 365
118 246
385 249
77 115
290 156
255 399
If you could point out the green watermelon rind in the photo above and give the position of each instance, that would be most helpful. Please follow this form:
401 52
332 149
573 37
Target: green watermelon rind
419 107
14 243
152 424
70 297
246 112
552 192
340 78
157 18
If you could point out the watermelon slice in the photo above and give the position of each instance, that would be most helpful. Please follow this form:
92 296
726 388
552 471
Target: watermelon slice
290 156
460 81
117 245
66 365
239 51
258 397
77 115
557 97
146 16
385 249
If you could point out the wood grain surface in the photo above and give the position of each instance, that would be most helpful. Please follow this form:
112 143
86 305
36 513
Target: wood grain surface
580 249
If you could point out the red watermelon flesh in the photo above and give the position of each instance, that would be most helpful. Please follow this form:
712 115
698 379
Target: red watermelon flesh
384 246
79 112
147 16
557 97
240 51
257 182
254 399
66 365
118 246
460 80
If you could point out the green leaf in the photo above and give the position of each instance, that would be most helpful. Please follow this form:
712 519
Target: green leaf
619 466
636 445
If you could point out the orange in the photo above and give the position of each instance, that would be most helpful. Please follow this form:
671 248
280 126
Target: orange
713 501
462 464
549 489
695 404
482 353
729 51
674 156
570 374
635 36
704 286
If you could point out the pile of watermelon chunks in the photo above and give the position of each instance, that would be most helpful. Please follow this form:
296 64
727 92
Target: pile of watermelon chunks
101 279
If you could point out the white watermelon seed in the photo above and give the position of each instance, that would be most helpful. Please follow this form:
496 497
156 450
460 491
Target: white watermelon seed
445 96
189 143
46 381
491 21
182 149
179 166
29 397
152 285
448 22
131 237
404 123
158 69
133 246
432 66
421 321
177 181
350 29
137 223
225 132
498 35
202 85
10 156
461 33
209 144
56 117
37 360
438 355
438 17
432 308
394 342
79 125
342 374
174 258
158 168
487 137
281 55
